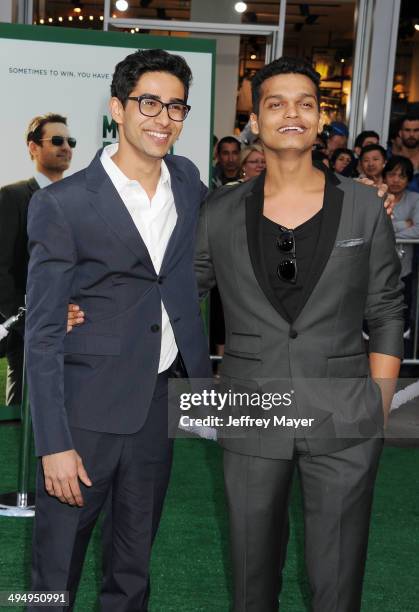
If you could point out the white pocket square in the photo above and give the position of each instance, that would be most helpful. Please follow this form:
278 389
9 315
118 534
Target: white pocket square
350 243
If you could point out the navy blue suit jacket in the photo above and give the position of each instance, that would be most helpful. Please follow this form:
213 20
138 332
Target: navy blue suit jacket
85 248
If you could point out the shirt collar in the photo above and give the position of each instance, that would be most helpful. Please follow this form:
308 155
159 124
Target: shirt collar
42 180
119 179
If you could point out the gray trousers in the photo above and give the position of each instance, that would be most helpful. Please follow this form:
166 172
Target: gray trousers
337 496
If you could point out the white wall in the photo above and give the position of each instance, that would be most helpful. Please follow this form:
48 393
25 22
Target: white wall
227 61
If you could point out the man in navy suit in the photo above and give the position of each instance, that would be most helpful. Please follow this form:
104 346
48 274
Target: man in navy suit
117 239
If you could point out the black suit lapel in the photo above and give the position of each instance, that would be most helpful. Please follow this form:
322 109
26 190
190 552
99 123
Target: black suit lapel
332 209
32 186
254 212
109 205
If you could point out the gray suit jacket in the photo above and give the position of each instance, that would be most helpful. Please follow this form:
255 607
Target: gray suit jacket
321 355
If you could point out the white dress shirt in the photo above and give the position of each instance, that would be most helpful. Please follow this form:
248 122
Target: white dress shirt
42 180
155 221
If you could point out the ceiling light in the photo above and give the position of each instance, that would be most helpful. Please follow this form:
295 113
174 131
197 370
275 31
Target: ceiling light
253 56
121 5
77 6
240 7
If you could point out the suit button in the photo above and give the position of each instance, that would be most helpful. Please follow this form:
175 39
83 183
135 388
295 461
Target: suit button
293 333
155 328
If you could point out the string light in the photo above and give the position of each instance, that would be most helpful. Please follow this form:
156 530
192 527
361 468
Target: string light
137 29
70 18
121 5
91 17
50 20
240 7
132 31
80 17
101 17
42 21
60 18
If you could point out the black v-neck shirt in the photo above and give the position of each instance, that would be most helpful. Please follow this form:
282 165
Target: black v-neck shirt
306 240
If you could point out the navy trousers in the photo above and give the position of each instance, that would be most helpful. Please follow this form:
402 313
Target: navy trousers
130 475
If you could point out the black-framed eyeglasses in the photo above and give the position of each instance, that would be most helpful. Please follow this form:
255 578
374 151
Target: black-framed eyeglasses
287 267
58 141
150 107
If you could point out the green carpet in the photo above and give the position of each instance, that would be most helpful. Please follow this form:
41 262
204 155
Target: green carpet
190 569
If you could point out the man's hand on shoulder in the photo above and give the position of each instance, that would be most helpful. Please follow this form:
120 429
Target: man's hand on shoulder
62 472
75 316
382 190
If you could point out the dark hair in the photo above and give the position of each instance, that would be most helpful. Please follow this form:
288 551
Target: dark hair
373 147
409 117
129 70
359 140
349 170
283 65
398 161
35 128
338 152
318 156
227 140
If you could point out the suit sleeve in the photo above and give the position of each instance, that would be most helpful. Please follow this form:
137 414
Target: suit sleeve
385 305
204 268
9 229
50 276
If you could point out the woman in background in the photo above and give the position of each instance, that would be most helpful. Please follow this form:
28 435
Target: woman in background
343 162
398 172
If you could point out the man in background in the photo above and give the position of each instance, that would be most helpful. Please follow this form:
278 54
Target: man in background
50 147
365 138
337 137
228 162
409 135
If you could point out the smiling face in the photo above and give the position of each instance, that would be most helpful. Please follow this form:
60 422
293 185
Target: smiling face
253 165
288 116
372 164
149 137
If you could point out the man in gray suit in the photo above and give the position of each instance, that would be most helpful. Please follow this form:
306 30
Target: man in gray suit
300 258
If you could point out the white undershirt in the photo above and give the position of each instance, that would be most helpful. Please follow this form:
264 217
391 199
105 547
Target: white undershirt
155 220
